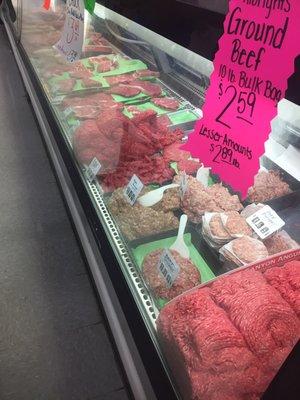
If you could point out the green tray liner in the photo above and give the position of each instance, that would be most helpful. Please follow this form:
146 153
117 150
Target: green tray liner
141 251
182 116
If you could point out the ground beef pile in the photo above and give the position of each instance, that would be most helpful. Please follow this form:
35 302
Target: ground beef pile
267 185
287 281
188 277
227 340
138 221
199 199
125 147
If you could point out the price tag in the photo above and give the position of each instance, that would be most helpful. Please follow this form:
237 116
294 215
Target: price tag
183 184
71 41
133 189
93 169
74 126
265 222
168 268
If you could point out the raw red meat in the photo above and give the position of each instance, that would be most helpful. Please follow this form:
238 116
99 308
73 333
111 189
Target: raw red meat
88 82
115 80
86 112
149 88
287 281
65 85
188 166
79 71
175 153
126 147
268 324
106 66
125 90
146 73
82 74
164 121
102 100
166 102
208 355
98 49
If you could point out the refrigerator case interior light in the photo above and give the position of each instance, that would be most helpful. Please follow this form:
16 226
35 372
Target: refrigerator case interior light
124 110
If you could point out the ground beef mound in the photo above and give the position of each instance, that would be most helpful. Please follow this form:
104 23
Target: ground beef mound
248 249
188 277
137 221
208 356
198 199
268 324
227 340
286 280
267 185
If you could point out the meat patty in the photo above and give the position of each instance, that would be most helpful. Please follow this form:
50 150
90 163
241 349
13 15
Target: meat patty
236 225
167 103
217 228
188 277
248 249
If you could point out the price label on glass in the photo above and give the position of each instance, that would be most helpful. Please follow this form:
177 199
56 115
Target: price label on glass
265 222
93 169
168 268
133 189
71 41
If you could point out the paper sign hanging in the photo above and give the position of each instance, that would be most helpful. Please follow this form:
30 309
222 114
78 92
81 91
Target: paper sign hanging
46 4
71 41
255 58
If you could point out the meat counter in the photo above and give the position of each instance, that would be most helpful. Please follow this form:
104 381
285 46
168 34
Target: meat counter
115 121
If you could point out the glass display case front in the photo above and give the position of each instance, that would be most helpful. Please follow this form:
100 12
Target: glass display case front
124 110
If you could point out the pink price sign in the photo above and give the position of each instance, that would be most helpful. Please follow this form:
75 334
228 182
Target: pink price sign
255 58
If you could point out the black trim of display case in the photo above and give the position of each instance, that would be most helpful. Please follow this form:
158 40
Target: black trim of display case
158 377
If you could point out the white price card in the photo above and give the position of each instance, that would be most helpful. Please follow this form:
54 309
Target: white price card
183 184
265 222
93 169
71 41
133 189
168 268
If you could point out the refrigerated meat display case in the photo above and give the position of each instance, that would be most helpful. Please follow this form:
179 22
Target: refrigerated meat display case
113 123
